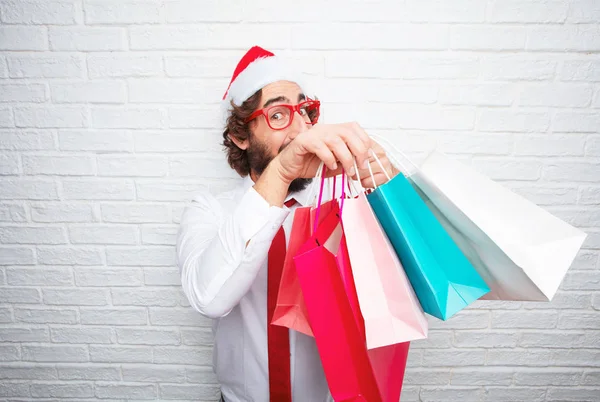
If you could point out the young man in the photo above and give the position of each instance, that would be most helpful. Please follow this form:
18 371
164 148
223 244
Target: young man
231 246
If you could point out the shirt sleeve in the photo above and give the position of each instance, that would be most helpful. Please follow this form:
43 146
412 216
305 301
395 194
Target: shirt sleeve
220 250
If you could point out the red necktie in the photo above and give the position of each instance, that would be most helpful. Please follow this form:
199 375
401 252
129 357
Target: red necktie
280 387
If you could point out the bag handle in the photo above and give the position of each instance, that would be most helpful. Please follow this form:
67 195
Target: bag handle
324 169
393 157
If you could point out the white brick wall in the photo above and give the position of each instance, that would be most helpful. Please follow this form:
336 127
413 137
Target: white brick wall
108 114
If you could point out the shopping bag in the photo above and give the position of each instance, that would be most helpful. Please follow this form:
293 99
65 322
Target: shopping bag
390 308
290 309
353 372
522 251
443 278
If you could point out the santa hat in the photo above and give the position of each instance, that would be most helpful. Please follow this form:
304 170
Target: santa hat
256 69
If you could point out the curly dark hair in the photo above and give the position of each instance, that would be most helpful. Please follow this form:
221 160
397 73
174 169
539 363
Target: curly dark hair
236 127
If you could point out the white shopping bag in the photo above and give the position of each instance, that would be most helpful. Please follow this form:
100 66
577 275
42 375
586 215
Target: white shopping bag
522 251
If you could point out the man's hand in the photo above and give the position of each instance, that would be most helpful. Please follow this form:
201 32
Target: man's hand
337 145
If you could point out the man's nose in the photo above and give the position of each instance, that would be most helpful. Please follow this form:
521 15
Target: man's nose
299 123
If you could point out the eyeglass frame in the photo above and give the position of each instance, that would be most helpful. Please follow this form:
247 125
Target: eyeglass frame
292 108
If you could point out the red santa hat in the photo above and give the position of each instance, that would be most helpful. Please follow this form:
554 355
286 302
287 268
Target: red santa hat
256 69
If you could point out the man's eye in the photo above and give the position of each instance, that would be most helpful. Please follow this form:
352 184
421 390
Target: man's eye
277 116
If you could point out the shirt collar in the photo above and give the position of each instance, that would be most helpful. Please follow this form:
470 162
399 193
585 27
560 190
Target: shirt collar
304 197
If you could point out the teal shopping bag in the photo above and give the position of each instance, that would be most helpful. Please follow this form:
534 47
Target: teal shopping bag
443 279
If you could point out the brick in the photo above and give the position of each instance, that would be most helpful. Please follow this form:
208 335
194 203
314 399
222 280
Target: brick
9 164
89 92
562 300
583 38
508 169
81 390
528 11
172 91
592 146
201 375
177 316
64 212
136 118
55 353
12 213
202 65
491 94
543 377
524 319
485 339
161 191
106 234
108 277
505 121
538 339
28 189
567 394
23 38
515 68
31 235
161 277
87 39
46 316
13 389
20 295
127 12
36 12
78 297
81 335
181 355
208 392
584 11
440 11
549 145
93 373
27 372
572 171
16 256
190 11
463 320
141 256
376 90
135 213
583 280
518 358
9 353
448 358
5 315
481 376
98 189
578 320
353 36
58 165
148 337
589 195
116 65
26 140
186 118
177 140
46 66
590 378
430 394
6 117
202 166
159 235
119 354
139 373
572 122
3 68
116 391
95 140
121 316
198 337
139 166
55 276
145 297
556 95
202 37
580 70
515 394
25 335
23 93
51 116
427 377
475 37
592 241
70 256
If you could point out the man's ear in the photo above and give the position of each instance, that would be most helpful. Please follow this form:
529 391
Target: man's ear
241 144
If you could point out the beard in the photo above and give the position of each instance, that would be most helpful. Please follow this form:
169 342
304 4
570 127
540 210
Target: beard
259 157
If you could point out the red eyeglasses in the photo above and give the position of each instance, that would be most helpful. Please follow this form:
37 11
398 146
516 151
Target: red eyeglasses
280 117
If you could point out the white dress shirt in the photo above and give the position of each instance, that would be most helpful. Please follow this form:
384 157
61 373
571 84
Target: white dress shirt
225 280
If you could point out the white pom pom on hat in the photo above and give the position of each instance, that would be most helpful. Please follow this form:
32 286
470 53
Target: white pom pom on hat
255 70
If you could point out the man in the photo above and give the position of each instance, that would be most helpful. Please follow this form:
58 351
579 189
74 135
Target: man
229 246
